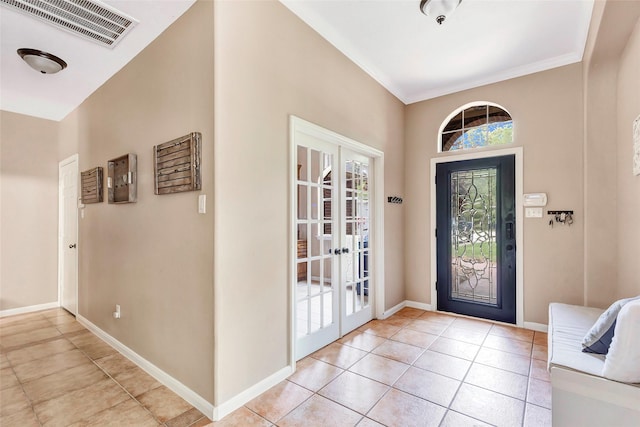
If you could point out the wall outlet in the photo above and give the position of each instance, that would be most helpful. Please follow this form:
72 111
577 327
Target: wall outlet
116 314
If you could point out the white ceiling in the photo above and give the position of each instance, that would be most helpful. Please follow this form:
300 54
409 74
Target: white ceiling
482 42
53 96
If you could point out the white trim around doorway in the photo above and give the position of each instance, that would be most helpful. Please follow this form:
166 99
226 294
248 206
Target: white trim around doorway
297 124
518 152
74 158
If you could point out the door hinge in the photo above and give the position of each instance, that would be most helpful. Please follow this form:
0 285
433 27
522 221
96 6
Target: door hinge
436 232
436 285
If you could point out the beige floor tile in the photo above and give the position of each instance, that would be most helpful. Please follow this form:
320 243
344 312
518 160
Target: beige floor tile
314 374
455 348
4 362
136 381
521 348
62 319
91 345
20 318
39 351
205 422
49 365
397 408
397 320
503 360
278 401
115 364
434 316
443 364
488 406
539 393
67 328
127 413
8 378
470 336
512 332
380 368
80 404
401 352
22 327
476 325
428 385
379 328
242 417
354 391
342 356
455 419
164 404
13 400
55 312
65 381
539 370
186 419
539 352
540 338
535 416
416 338
10 342
368 422
410 312
22 418
428 326
362 341
498 380
318 411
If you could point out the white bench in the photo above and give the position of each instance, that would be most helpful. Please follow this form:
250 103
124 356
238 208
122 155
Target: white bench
581 396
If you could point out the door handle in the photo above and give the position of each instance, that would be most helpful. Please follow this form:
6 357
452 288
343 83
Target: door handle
336 251
509 231
345 250
72 246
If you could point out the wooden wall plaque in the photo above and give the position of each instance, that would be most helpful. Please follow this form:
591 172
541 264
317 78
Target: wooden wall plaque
121 181
177 164
91 185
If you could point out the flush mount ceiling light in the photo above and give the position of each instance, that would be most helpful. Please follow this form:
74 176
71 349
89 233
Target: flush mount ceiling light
41 61
439 8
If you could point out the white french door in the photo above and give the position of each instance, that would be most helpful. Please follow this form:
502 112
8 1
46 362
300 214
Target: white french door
332 287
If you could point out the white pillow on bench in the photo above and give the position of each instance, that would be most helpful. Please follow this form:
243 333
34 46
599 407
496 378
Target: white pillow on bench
623 361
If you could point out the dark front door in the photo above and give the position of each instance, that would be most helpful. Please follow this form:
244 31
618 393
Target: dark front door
476 241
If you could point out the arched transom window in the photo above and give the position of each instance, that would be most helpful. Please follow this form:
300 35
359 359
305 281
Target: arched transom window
479 124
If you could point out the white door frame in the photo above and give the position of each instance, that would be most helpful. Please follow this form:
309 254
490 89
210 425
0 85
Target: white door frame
518 152
297 125
74 158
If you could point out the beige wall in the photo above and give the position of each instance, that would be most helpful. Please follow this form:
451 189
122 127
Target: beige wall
628 191
153 257
28 211
547 111
269 64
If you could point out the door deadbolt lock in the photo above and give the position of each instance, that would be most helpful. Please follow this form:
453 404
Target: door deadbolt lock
345 250
336 251
72 246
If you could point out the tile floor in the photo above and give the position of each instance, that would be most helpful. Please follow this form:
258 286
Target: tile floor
416 368
54 372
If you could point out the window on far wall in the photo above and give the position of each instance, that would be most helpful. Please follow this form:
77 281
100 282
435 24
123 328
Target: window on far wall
479 124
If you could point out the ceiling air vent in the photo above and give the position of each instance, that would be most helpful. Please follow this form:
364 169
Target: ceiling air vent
88 19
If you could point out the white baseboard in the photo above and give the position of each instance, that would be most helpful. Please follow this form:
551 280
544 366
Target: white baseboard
419 305
29 309
176 386
393 310
252 392
536 326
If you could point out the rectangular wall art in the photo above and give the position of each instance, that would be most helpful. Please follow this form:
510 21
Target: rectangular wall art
177 164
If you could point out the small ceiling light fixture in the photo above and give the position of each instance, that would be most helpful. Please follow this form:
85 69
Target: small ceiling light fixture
41 61
439 8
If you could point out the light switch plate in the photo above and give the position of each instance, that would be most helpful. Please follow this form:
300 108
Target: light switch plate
533 212
202 203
